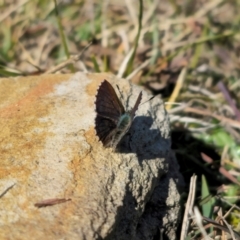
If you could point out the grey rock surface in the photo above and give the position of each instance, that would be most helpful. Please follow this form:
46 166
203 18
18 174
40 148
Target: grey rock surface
50 150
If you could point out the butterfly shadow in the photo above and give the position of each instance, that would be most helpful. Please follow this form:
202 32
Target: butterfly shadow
145 142
125 214
128 221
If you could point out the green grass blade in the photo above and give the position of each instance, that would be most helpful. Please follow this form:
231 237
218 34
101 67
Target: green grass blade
130 63
208 204
62 35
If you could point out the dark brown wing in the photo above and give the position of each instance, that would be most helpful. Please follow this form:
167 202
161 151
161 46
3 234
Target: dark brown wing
105 129
109 109
107 103
133 111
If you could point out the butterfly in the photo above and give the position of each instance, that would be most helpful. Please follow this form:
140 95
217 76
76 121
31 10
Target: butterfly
112 121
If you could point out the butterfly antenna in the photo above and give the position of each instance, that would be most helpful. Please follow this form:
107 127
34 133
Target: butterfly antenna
151 98
121 95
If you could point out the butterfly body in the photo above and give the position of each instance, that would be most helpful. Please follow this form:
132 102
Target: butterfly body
112 121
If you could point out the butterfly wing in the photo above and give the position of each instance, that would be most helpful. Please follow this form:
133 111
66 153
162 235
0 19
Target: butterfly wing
109 109
105 129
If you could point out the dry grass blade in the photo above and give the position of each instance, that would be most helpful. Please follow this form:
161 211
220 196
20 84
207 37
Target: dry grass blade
222 119
143 65
14 8
187 120
228 98
198 218
178 87
123 67
186 43
208 7
189 207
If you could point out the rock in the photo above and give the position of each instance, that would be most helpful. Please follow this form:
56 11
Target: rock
49 152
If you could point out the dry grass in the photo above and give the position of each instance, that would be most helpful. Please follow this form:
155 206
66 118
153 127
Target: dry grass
185 51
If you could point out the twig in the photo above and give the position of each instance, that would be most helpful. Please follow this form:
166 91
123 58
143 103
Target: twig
51 202
222 170
227 229
71 60
6 190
